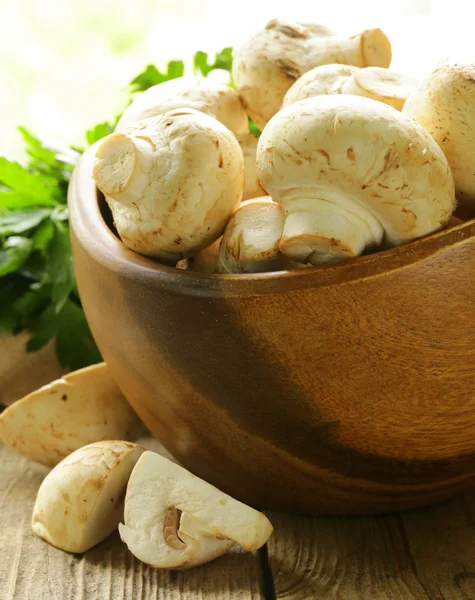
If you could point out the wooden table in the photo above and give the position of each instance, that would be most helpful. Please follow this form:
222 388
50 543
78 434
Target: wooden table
426 554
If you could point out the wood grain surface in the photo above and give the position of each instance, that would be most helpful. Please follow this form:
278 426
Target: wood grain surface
427 554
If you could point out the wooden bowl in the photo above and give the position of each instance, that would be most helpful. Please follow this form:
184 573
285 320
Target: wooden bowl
347 389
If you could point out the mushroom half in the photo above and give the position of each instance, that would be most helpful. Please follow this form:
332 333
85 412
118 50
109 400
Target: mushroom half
175 520
81 501
80 408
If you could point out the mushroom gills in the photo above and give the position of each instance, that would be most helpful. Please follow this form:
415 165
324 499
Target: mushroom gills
328 228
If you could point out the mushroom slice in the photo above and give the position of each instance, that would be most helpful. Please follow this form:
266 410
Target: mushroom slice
81 501
175 520
252 185
443 105
380 84
172 182
352 174
250 242
83 407
200 93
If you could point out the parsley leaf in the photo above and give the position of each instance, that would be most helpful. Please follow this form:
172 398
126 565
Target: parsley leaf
98 132
152 76
253 128
21 221
74 342
14 254
38 290
59 265
222 60
20 188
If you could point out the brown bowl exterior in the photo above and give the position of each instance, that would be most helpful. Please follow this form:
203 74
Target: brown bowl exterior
347 389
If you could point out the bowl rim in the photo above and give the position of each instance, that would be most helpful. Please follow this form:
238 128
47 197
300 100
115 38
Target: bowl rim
96 238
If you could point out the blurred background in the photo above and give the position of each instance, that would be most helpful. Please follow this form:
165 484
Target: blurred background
65 64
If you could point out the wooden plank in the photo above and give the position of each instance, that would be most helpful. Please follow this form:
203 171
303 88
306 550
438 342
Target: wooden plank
424 554
30 569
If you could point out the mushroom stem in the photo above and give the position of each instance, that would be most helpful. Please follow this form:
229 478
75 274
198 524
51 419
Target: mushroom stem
250 243
122 168
370 47
321 236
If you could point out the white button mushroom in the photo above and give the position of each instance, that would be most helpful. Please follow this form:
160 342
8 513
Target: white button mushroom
172 182
372 82
250 243
83 407
174 520
212 98
351 174
325 79
201 93
81 501
252 185
272 59
381 84
444 106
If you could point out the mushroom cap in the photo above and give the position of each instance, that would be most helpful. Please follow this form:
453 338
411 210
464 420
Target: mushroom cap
201 93
443 105
173 519
81 501
250 243
252 185
380 84
376 83
386 175
172 182
80 408
325 79
272 59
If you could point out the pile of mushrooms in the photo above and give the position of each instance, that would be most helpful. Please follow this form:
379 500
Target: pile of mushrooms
104 479
353 157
